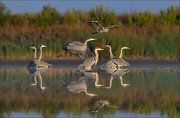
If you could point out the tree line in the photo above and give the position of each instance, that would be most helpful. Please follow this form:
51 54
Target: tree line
150 35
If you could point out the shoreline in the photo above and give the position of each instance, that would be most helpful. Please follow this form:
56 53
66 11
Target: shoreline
75 63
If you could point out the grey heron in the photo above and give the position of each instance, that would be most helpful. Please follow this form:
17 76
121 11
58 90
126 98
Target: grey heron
110 64
120 73
88 63
42 64
37 63
100 28
101 103
80 48
78 86
119 61
115 62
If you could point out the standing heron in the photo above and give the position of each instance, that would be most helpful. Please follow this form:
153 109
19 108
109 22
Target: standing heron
37 63
80 48
101 103
110 64
115 62
88 63
34 62
78 86
100 28
119 61
43 64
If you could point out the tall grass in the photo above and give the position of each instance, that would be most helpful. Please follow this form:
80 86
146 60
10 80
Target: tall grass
149 35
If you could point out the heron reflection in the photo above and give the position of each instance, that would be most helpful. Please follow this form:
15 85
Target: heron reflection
37 74
120 73
93 76
100 104
78 86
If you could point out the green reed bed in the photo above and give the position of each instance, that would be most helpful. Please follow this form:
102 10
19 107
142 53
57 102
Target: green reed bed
149 35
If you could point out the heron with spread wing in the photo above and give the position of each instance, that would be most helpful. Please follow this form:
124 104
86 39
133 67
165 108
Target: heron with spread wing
100 28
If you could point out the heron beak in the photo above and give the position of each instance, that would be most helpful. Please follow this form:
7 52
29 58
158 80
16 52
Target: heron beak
100 49
32 47
93 39
128 48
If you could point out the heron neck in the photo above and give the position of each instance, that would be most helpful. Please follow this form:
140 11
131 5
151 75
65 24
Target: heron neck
89 94
110 51
97 80
40 77
35 52
97 57
110 82
121 80
40 56
120 56
85 43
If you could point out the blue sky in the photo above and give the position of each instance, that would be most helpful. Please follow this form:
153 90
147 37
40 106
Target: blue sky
119 6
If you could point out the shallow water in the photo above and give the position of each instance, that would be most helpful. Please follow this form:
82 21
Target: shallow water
66 92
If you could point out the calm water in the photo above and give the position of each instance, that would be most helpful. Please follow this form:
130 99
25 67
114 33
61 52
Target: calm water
57 92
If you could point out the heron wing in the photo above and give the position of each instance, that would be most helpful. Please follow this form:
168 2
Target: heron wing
43 64
86 54
97 25
121 72
112 26
120 62
109 65
89 62
75 43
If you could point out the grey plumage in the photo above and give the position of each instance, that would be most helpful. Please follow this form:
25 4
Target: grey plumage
79 48
88 63
37 63
115 62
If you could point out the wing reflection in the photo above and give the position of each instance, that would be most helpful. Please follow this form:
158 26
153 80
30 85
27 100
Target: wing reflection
37 73
78 86
120 73
98 104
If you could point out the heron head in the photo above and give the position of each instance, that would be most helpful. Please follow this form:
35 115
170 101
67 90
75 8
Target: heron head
125 47
34 47
42 46
108 45
91 39
99 48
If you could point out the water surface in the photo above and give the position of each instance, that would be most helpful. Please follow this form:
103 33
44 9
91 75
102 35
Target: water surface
66 92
